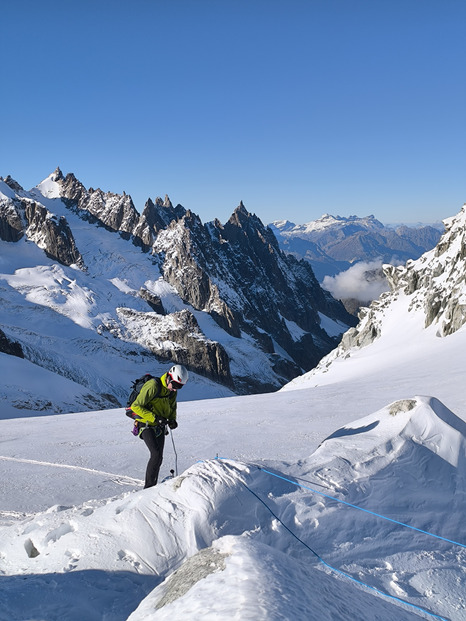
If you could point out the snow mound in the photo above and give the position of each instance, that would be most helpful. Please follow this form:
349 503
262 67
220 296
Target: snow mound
422 421
173 547
406 462
391 486
275 546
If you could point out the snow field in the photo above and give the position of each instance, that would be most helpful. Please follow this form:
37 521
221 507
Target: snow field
223 526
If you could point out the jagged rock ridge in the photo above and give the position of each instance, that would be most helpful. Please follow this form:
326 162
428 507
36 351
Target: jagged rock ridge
20 215
207 265
234 275
238 274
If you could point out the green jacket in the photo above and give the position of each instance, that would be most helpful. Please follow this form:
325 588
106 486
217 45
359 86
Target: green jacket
152 403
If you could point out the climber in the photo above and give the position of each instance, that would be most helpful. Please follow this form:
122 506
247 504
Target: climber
154 408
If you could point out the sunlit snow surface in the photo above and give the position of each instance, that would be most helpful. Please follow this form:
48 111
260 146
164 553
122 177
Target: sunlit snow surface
251 526
283 506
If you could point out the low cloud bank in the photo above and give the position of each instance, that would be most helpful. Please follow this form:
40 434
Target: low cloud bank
363 281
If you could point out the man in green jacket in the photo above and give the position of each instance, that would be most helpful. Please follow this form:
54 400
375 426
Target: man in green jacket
155 407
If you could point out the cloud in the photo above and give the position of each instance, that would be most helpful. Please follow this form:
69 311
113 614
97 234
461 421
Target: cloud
362 281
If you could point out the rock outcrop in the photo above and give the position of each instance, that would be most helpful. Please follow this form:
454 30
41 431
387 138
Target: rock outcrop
7 346
239 275
156 216
50 233
12 225
115 212
436 282
178 338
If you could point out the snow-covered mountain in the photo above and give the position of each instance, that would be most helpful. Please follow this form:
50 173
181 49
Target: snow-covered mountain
96 294
332 244
341 496
427 296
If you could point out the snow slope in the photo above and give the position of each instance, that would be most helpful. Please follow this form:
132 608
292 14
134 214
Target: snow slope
82 540
107 311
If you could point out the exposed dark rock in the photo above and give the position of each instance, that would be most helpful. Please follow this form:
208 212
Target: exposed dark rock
353 306
178 338
155 217
52 234
11 223
12 348
23 215
433 284
114 211
238 273
153 300
14 185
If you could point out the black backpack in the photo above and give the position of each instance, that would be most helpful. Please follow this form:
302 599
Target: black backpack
136 389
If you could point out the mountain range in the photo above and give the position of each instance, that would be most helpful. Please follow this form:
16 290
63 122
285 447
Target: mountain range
332 244
88 284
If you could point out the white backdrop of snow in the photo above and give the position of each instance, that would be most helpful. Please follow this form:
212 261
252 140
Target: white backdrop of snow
382 428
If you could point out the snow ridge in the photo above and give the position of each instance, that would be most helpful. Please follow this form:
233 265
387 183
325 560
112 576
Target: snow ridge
427 295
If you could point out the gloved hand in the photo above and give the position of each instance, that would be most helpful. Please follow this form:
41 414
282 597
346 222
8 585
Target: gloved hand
161 421
172 424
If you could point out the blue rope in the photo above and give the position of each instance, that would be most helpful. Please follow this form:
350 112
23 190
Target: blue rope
348 504
339 571
334 569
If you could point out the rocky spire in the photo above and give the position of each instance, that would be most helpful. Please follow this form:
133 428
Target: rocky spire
57 175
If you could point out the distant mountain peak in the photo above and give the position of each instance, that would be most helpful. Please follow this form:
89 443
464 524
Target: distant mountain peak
332 244
241 212
282 225
165 203
57 175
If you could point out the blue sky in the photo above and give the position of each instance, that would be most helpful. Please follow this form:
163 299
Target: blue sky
296 107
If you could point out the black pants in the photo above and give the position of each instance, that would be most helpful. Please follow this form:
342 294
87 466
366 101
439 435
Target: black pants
155 444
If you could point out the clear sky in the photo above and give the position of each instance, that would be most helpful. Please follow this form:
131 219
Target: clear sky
296 107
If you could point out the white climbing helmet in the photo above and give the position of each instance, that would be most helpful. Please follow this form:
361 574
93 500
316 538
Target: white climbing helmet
178 374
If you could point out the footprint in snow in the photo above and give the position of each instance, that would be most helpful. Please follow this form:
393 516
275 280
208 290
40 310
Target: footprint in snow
129 557
74 556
